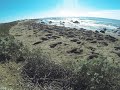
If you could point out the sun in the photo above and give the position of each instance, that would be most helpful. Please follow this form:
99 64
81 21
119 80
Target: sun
68 13
69 8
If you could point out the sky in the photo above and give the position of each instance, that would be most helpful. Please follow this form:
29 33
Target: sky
28 9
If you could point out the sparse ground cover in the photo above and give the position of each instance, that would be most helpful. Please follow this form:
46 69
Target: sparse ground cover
35 56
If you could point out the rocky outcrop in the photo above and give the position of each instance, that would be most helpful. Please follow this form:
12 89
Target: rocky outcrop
44 39
78 42
99 37
55 37
74 40
20 59
50 22
117 52
37 42
88 33
48 31
4 57
55 44
92 56
96 31
50 34
104 30
75 51
118 28
111 38
117 48
93 41
89 39
103 43
76 22
92 48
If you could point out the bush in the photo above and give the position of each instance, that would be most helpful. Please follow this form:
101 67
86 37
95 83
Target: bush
9 49
98 74
40 70
4 27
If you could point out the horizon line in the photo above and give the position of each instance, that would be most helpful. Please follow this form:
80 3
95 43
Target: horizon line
56 17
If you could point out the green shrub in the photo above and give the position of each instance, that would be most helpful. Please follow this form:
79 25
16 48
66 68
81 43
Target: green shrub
97 74
9 49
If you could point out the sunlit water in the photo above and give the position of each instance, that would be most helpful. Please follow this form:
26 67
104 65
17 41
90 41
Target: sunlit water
89 23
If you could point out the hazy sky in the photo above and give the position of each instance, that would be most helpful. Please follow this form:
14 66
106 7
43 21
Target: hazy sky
24 9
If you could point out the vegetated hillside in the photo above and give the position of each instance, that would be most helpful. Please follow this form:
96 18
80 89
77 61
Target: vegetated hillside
36 56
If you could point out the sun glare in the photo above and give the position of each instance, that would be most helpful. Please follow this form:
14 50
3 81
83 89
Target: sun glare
68 8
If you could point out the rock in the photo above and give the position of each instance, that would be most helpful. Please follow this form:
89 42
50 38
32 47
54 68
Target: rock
74 40
100 37
42 22
4 58
65 44
104 30
117 48
94 53
82 29
94 42
88 33
119 32
55 37
76 51
70 32
49 34
92 56
50 22
61 33
115 31
89 39
92 48
70 35
20 59
61 23
118 53
118 28
76 22
78 42
18 35
44 39
104 43
110 38
55 44
96 31
48 31
37 42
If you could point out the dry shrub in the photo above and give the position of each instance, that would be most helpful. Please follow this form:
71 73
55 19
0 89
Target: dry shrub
42 72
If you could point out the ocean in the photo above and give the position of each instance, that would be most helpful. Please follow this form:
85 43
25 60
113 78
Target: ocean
89 23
